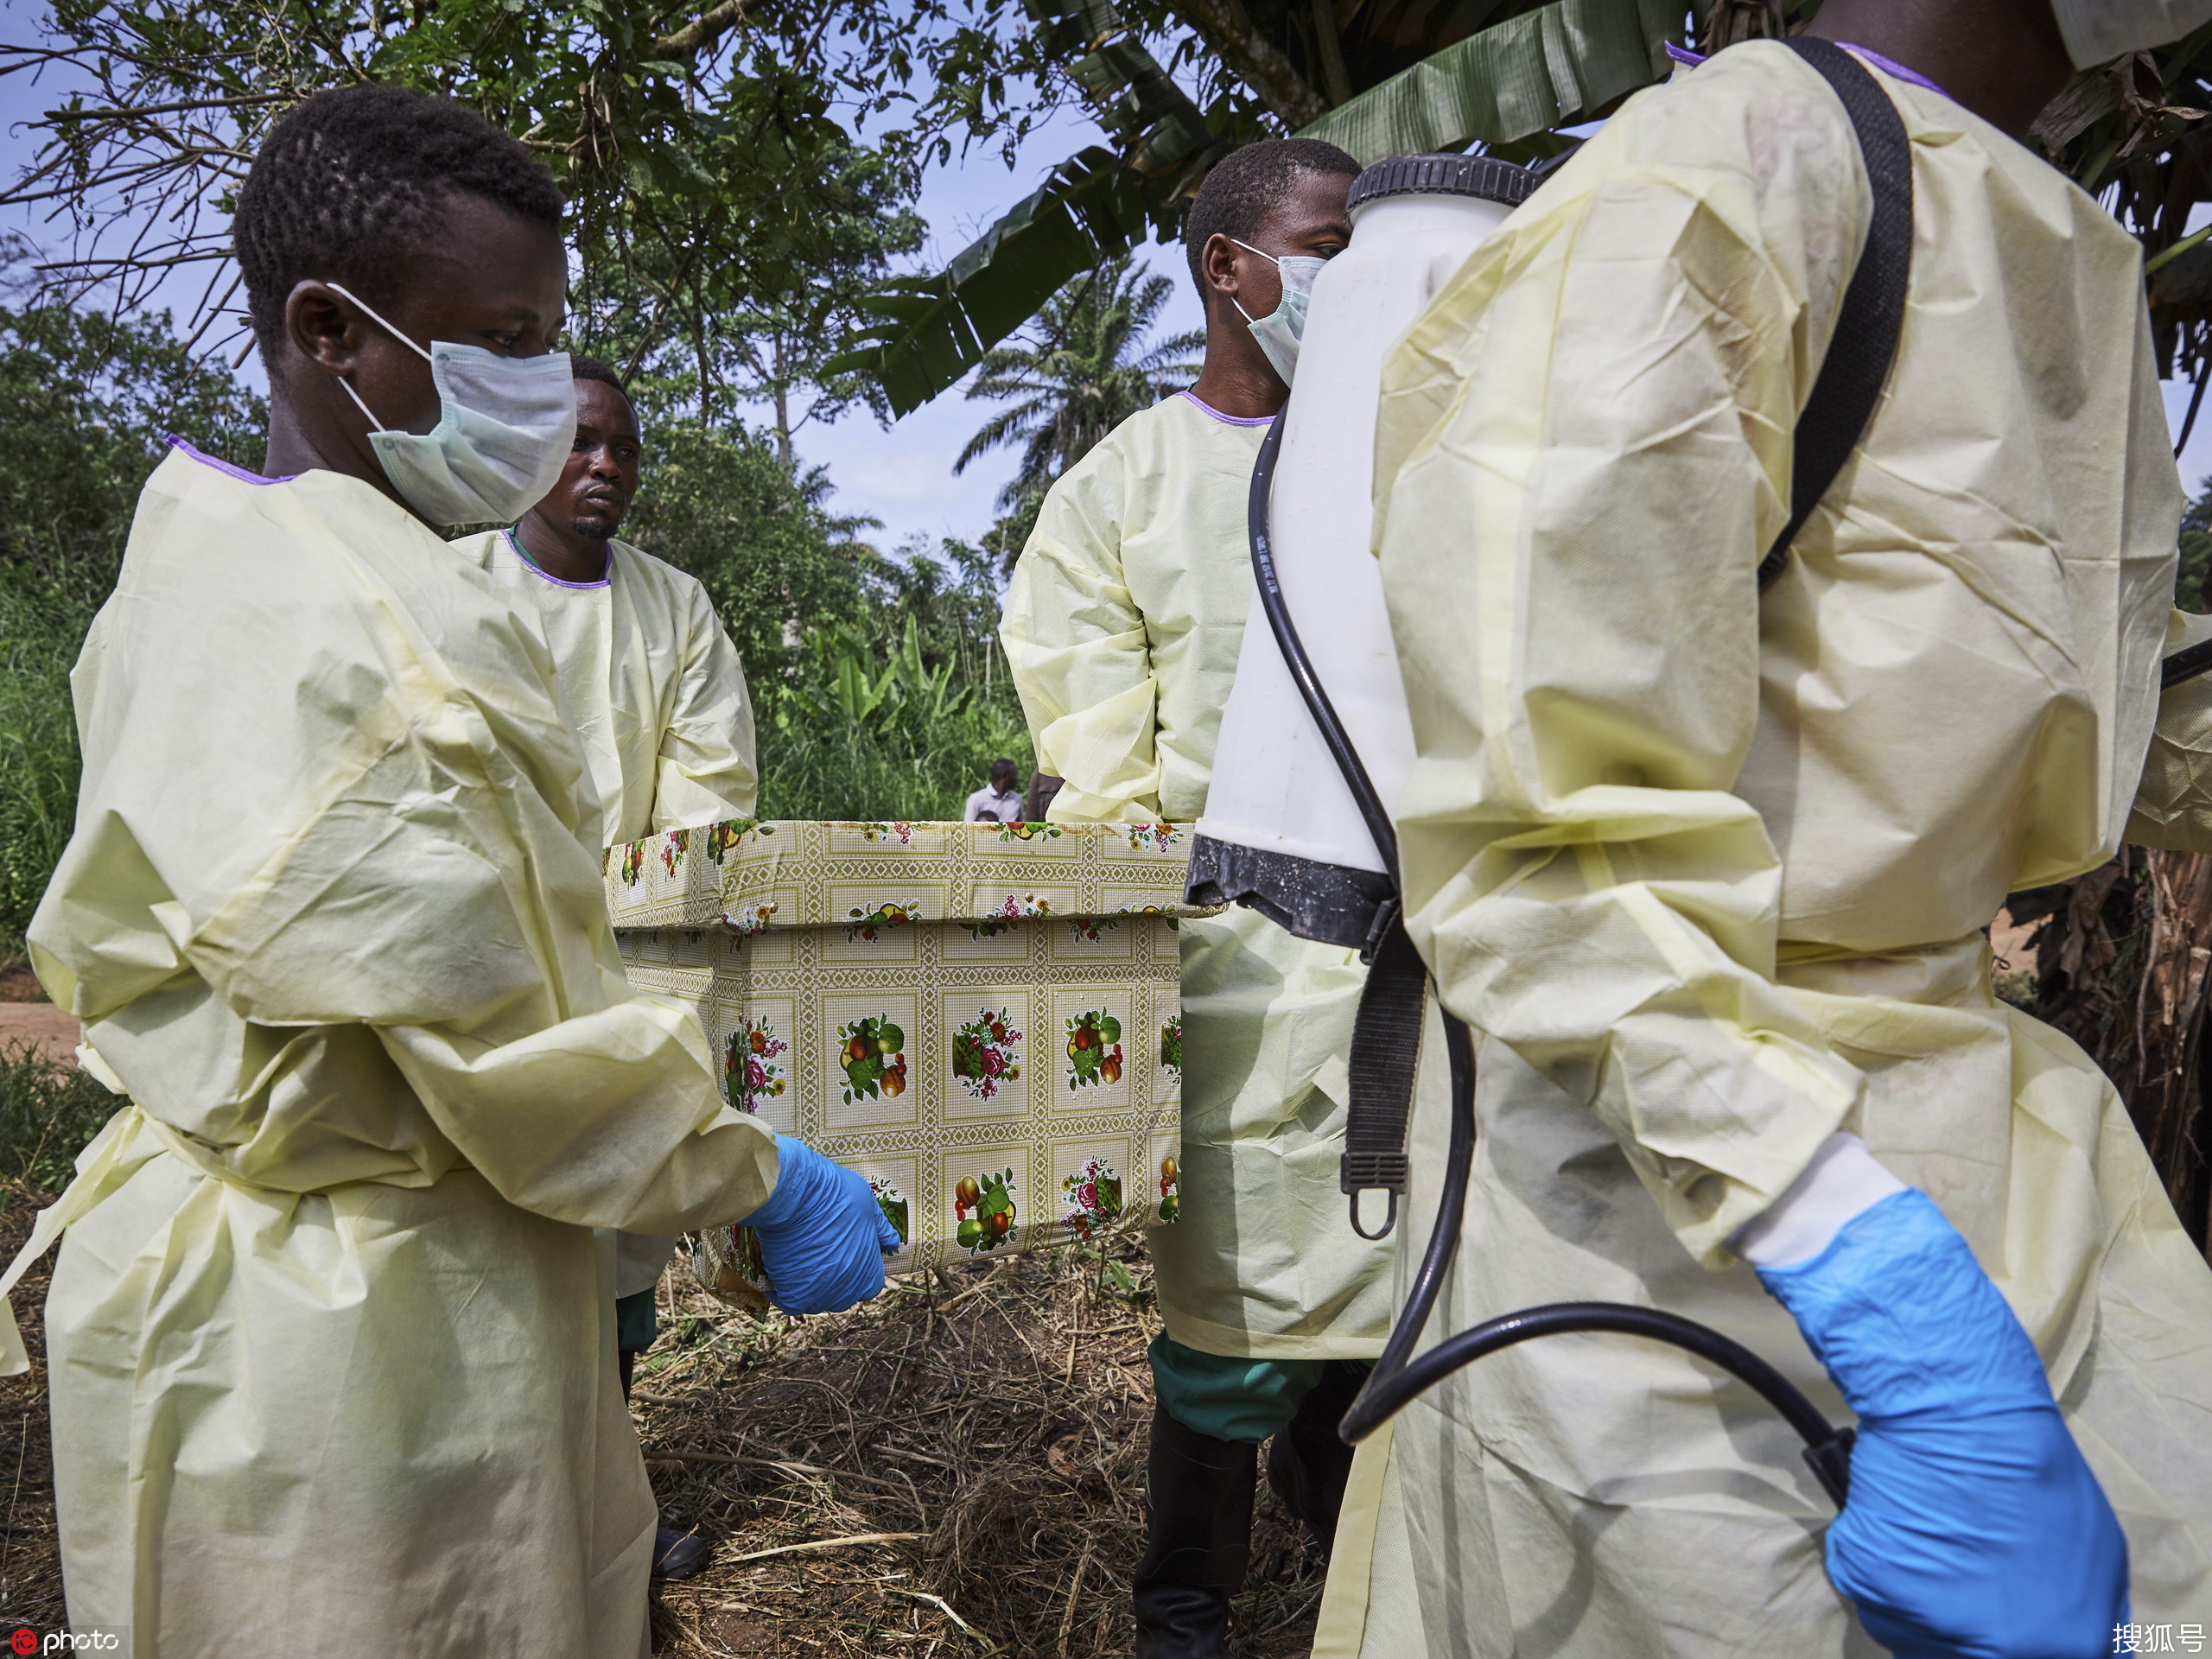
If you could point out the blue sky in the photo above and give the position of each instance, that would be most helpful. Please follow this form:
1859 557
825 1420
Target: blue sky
902 474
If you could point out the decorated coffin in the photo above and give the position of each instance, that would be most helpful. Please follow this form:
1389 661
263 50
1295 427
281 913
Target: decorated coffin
982 1018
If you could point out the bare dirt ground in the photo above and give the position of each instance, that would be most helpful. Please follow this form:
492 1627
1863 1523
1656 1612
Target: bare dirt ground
985 1431
27 1017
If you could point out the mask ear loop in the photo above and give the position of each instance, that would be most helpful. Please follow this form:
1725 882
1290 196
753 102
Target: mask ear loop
375 425
1233 299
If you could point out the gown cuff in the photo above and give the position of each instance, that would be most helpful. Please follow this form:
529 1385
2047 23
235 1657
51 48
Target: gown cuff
1842 1181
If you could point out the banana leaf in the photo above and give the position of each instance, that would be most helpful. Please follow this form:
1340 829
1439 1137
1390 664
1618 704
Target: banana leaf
936 328
1542 69
1545 68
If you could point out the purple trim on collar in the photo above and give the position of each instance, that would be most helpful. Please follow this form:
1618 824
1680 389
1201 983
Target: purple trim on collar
1226 420
1682 54
222 466
532 566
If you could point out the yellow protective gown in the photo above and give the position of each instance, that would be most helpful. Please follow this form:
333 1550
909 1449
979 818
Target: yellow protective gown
1709 871
654 688
331 1336
1122 626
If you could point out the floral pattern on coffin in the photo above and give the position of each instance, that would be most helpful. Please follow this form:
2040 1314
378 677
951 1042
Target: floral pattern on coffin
987 1054
752 1065
1093 1197
974 930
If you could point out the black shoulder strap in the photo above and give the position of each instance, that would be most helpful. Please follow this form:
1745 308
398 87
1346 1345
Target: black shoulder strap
1873 315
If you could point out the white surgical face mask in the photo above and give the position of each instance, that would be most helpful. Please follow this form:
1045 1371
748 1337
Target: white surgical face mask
1281 330
2097 31
505 425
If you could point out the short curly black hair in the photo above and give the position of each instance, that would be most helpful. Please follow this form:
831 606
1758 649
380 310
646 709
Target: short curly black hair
349 184
1247 185
595 368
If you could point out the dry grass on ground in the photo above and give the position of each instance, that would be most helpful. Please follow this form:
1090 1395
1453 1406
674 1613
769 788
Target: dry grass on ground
1000 1412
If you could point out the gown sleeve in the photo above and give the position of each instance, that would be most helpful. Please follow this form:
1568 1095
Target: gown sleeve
1582 455
1082 662
2173 805
707 767
349 834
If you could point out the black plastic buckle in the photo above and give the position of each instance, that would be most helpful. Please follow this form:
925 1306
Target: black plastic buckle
1374 1171
1378 929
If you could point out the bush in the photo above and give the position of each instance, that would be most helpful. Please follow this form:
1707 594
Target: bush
85 402
907 739
48 1111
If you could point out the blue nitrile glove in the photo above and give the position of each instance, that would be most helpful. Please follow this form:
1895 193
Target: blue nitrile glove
822 1235
1973 1526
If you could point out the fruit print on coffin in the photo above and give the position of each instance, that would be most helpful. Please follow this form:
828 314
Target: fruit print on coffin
872 1053
871 923
984 1210
1094 1049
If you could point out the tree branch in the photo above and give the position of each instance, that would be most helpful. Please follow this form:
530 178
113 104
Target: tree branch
701 31
1256 59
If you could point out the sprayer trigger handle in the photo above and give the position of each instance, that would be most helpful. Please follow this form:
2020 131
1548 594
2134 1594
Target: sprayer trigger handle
1386 918
1830 1462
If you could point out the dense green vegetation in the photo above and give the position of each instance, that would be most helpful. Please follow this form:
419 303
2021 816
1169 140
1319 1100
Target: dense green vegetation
47 1112
880 689
83 404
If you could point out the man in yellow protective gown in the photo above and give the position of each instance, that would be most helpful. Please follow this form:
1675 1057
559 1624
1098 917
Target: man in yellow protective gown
1707 870
1122 626
331 1331
654 688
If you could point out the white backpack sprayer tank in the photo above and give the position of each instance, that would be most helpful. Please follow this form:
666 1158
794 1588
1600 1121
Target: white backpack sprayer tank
1283 830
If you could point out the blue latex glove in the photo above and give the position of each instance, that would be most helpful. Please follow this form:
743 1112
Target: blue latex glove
1973 1526
822 1235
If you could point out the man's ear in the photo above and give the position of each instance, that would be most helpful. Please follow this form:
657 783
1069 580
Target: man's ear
1217 268
324 327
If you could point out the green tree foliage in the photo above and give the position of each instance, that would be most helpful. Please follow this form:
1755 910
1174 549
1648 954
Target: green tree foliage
717 502
2192 581
84 403
716 203
1090 365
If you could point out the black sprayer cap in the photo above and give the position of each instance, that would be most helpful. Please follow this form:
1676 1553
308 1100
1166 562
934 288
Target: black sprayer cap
1446 176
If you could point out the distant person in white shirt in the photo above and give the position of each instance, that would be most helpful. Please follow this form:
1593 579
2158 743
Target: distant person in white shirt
1001 802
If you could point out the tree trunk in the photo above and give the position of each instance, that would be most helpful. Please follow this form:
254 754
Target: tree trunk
2123 966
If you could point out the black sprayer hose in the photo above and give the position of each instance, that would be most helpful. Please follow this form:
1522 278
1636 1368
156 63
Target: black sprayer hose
1828 1448
1333 731
1398 1376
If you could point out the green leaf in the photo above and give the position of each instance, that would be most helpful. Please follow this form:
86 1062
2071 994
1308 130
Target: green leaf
1093 206
1545 68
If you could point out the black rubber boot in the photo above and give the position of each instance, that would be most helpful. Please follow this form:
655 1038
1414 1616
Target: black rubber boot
679 1555
1198 1505
1308 1464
